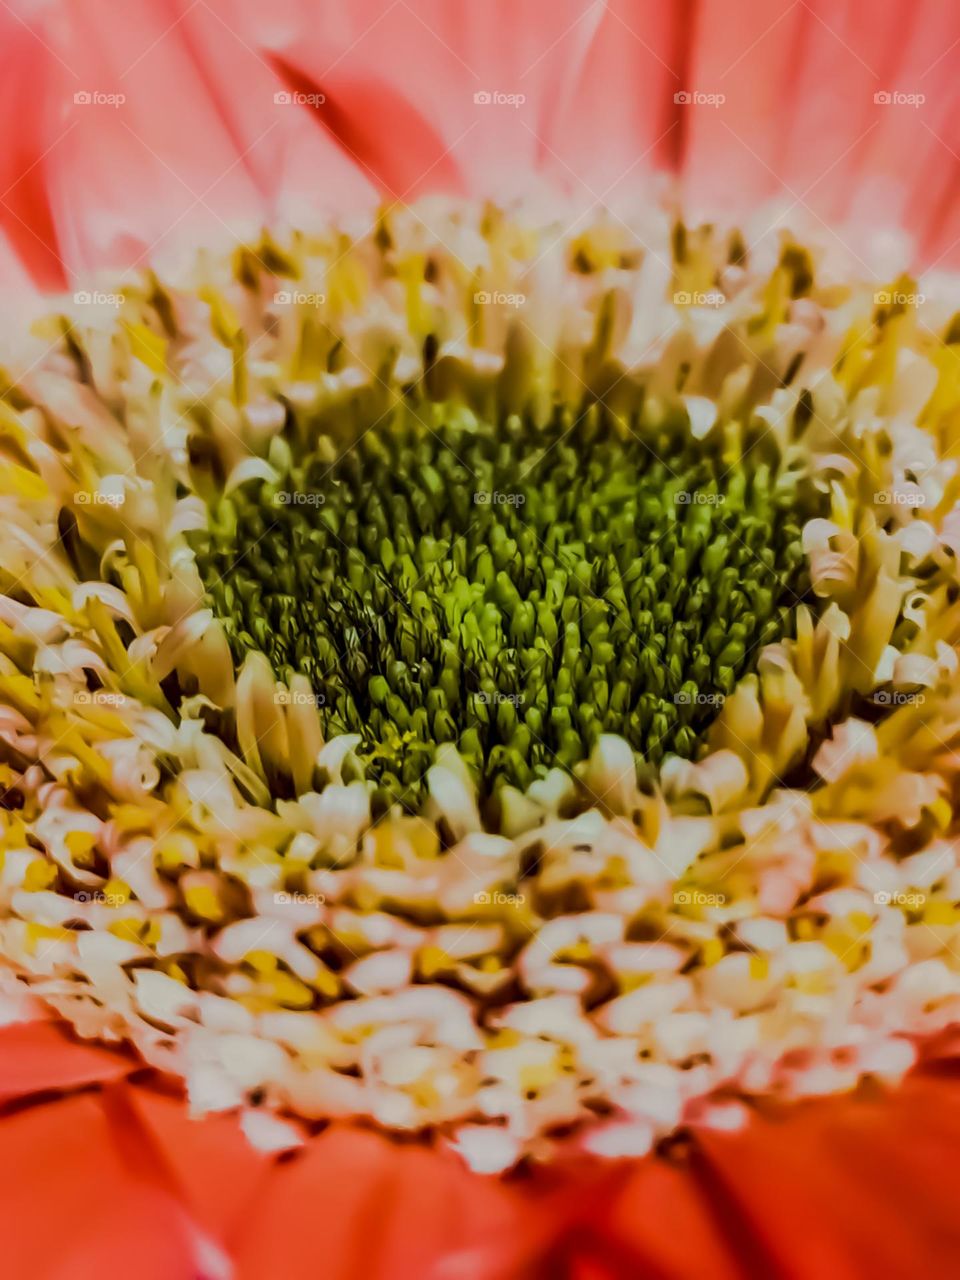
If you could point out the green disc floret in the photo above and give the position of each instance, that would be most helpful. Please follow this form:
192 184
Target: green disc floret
515 590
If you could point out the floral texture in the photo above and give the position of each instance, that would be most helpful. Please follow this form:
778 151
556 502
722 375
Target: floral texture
567 837
479 600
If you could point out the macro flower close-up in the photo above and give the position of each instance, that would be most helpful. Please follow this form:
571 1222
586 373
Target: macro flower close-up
479 639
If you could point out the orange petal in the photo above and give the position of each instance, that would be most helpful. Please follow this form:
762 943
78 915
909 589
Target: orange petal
217 1169
375 1208
673 1229
79 1202
36 1057
824 1183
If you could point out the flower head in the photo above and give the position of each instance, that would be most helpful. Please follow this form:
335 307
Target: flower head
484 695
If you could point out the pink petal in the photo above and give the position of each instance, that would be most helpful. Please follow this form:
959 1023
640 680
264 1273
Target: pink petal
621 122
298 167
748 55
147 165
25 215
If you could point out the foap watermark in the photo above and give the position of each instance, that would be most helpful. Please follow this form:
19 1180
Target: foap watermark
496 98
497 898
94 498
698 699
696 898
901 498
712 298
494 699
98 698
97 98
299 899
899 898
694 498
895 98
298 498
898 698
485 298
494 498
696 98
99 897
86 298
291 98
297 298
896 298
298 698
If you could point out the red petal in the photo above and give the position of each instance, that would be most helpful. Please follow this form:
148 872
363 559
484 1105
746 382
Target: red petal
217 1169
79 1203
846 1188
371 1207
662 1215
38 1056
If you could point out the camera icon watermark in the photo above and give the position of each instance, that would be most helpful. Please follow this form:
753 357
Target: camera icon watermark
296 298
98 698
695 498
712 298
898 698
894 98
698 699
695 898
898 898
895 298
94 498
494 498
298 698
291 98
494 699
85 298
900 498
298 498
495 98
97 98
98 896
695 98
484 298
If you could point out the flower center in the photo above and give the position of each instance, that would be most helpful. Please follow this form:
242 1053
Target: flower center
514 590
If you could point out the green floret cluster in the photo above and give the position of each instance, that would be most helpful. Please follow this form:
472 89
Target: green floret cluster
514 590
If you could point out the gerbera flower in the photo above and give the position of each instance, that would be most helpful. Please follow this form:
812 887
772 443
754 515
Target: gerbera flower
481 667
